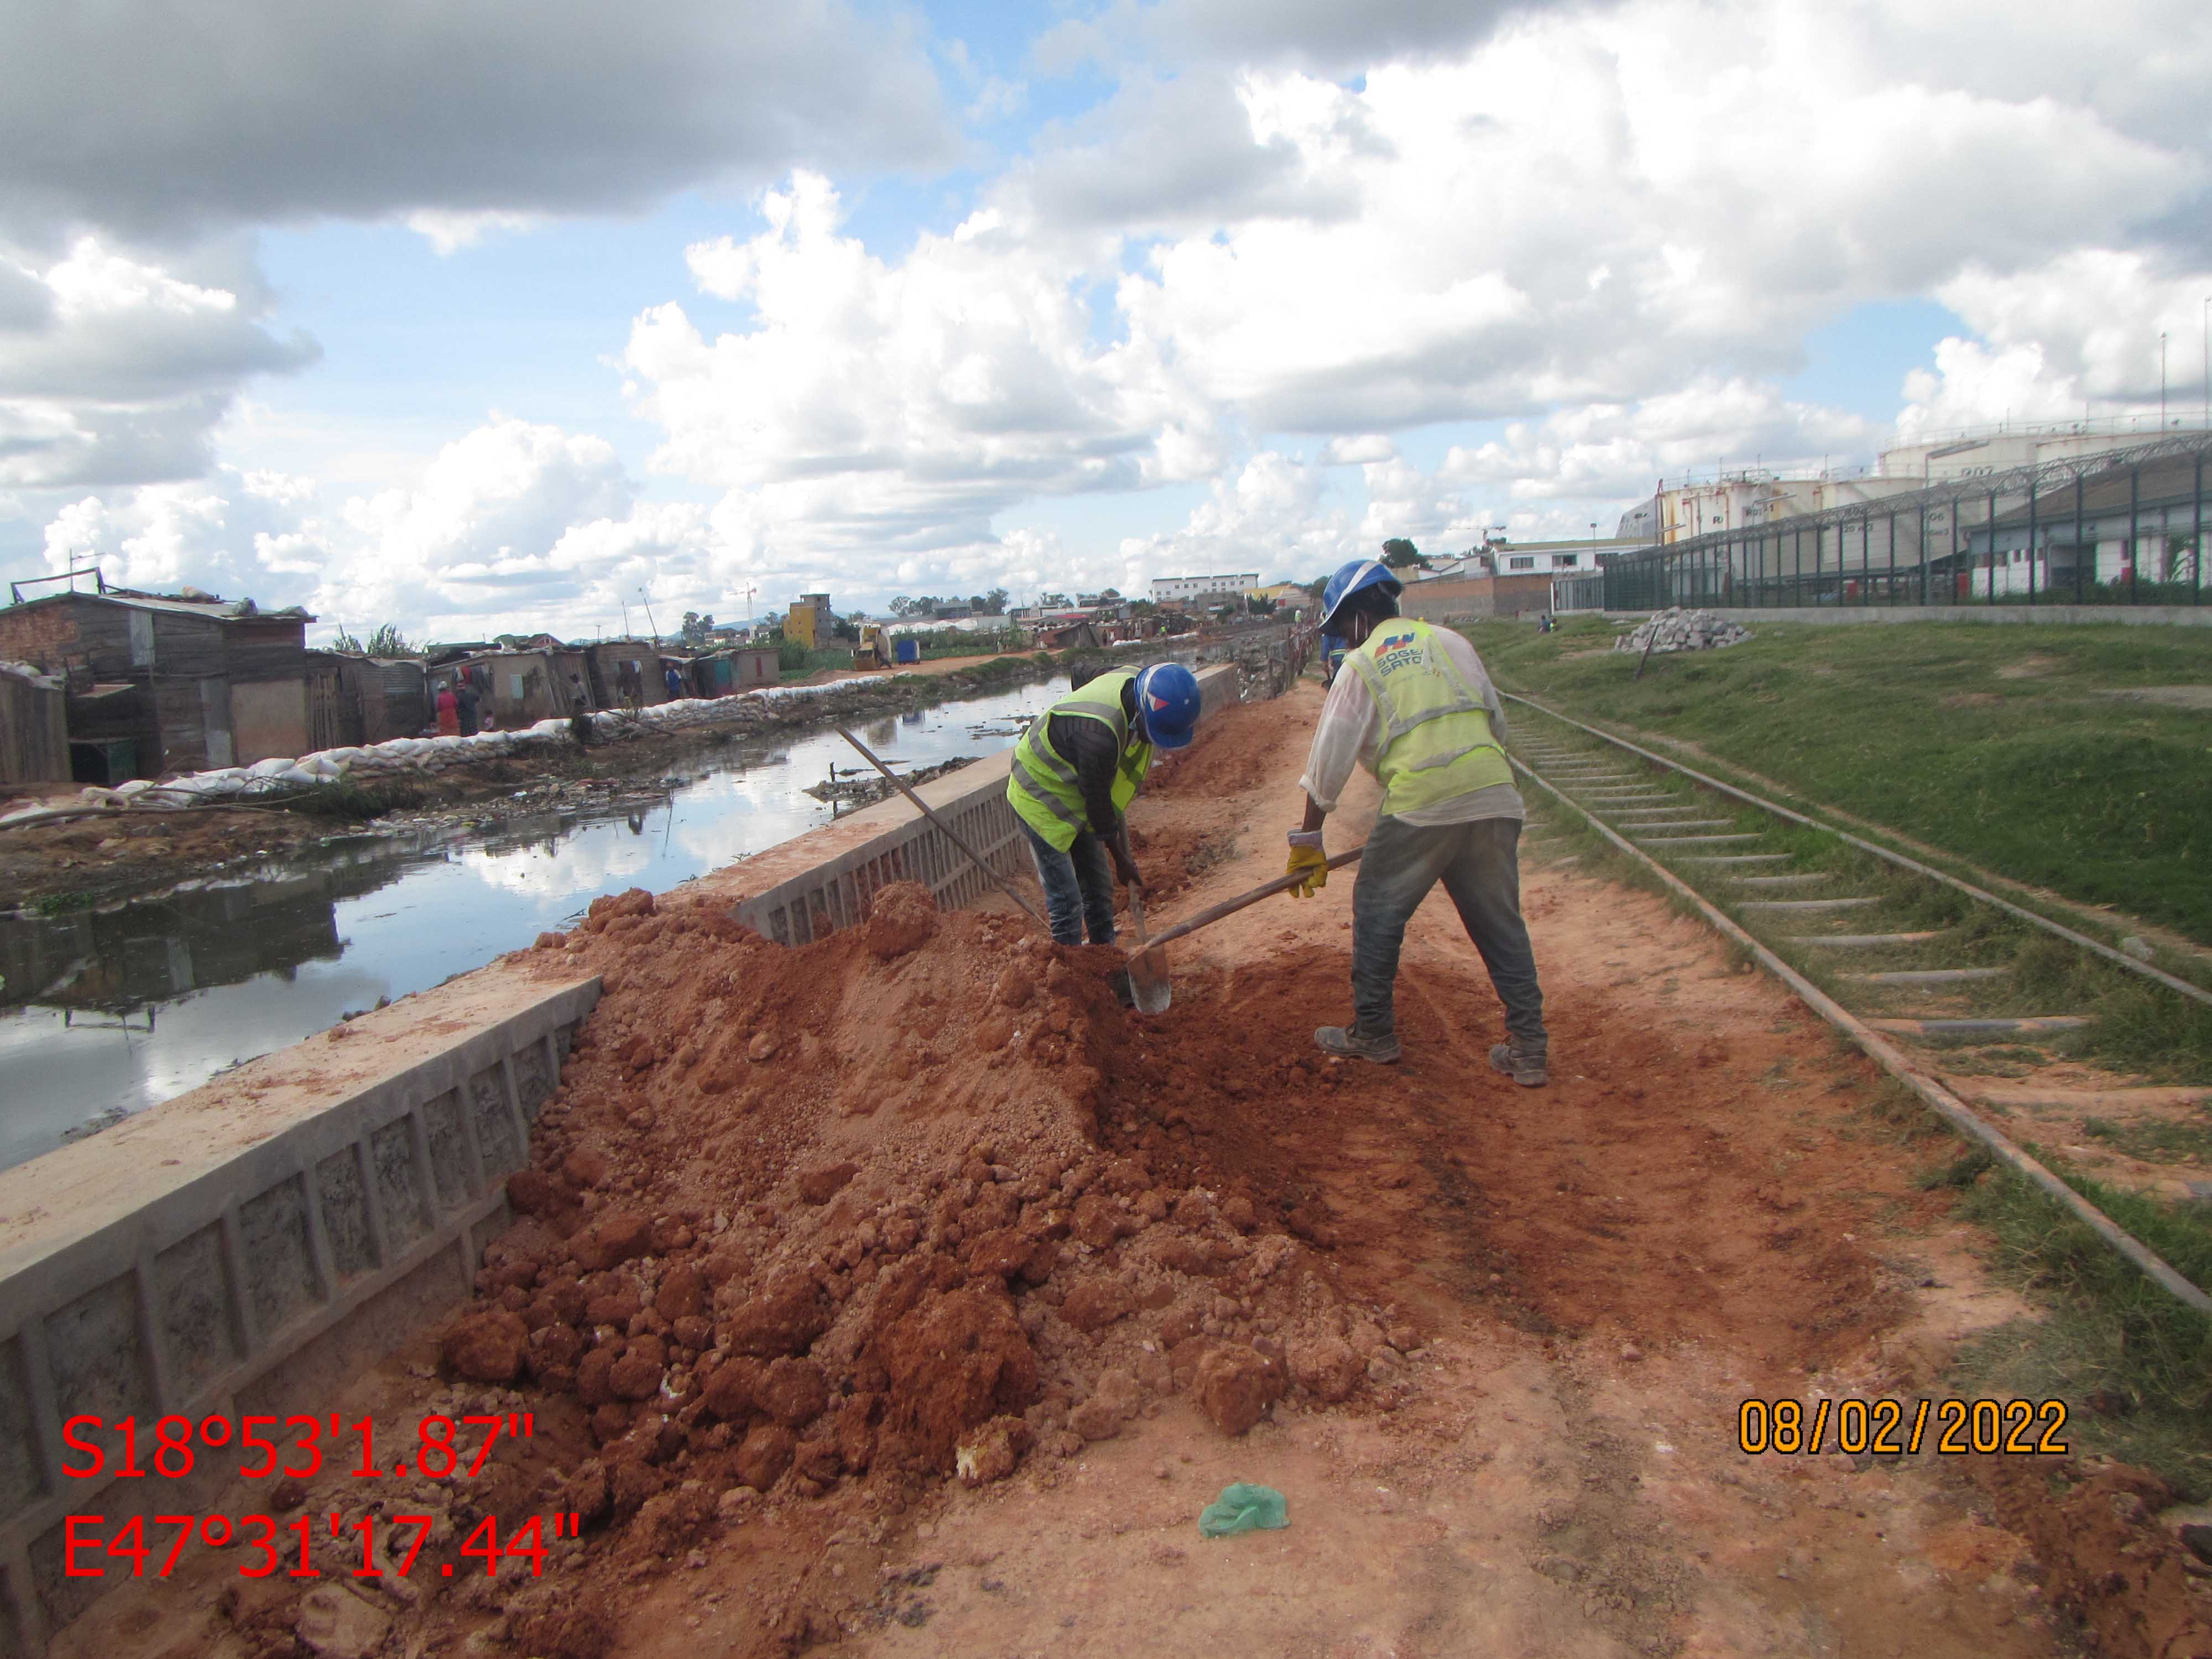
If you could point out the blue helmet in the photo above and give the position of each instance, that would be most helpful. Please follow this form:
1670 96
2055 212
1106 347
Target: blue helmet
1167 705
1354 578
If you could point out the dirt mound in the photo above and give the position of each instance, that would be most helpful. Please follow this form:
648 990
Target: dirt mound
1239 754
832 1222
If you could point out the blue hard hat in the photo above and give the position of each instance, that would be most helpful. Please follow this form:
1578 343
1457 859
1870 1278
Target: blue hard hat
1355 578
1167 705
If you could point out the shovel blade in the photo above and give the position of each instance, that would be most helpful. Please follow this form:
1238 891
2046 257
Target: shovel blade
1149 982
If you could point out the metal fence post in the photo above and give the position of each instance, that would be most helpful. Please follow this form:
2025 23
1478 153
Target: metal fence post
2196 554
2031 502
1990 597
2080 591
2135 529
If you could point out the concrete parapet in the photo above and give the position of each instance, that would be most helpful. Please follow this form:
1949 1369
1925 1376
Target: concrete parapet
246 1247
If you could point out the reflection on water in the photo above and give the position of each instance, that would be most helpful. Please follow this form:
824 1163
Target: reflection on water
103 1014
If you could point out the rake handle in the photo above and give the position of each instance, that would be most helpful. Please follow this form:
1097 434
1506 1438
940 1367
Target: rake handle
948 832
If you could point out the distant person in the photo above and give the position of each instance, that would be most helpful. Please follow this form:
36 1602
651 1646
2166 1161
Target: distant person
579 711
1417 706
674 677
1331 659
470 703
1075 772
449 712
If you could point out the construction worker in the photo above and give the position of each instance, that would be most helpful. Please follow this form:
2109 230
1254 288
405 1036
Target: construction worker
1074 773
1413 703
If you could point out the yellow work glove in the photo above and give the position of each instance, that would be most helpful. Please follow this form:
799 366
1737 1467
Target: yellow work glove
1310 862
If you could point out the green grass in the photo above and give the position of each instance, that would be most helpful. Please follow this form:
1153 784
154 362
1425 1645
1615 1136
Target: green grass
2107 1331
2033 774
61 904
2153 1143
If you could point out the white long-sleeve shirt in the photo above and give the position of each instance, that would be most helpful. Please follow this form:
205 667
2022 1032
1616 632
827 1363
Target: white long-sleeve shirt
1349 723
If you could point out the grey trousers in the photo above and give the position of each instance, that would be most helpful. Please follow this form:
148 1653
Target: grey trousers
1479 866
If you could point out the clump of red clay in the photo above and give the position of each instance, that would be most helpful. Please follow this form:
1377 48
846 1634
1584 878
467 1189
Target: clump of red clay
842 1216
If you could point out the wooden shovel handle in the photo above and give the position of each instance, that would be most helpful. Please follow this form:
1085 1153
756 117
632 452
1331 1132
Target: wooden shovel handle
1230 907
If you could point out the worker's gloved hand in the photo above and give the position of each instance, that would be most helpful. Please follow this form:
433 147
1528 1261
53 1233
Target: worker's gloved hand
1308 860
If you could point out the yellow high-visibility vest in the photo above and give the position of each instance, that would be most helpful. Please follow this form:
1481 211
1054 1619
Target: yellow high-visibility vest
1435 742
1042 788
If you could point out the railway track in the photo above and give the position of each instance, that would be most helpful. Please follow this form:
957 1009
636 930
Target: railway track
1968 998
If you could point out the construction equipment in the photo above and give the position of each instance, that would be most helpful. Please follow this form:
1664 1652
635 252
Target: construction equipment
874 650
1148 967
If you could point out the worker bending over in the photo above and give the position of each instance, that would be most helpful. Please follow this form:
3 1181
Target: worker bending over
1413 703
1074 773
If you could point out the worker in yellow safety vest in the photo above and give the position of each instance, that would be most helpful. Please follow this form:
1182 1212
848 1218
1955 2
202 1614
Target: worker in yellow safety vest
1414 704
1075 772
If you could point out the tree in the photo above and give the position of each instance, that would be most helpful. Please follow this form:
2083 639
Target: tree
389 642
697 630
1110 594
1261 606
1398 553
993 604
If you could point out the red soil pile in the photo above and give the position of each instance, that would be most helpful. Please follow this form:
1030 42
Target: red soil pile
843 1216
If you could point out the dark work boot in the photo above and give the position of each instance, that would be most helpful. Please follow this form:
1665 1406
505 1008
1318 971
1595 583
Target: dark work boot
1354 1043
1525 1069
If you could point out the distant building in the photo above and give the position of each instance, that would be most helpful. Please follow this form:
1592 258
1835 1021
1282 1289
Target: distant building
1975 452
811 622
1737 501
1202 590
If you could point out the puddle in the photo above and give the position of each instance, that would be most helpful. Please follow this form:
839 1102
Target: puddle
106 1013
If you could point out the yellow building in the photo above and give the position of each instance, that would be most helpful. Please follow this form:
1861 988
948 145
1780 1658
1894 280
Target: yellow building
811 621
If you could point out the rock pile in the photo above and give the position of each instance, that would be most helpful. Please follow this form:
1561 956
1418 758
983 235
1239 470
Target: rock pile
1677 629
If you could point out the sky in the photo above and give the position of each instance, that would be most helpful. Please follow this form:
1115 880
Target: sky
550 313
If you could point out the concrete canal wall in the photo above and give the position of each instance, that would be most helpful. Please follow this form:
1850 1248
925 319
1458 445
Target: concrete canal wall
248 1247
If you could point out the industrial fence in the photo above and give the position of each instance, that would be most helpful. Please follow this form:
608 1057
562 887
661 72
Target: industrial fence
2122 527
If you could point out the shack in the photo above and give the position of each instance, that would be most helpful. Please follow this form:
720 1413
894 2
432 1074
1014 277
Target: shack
723 673
166 682
528 686
34 727
382 697
625 673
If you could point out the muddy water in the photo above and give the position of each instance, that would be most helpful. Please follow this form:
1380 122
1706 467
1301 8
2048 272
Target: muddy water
104 1013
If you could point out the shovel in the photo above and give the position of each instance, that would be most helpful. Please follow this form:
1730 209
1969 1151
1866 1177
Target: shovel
1150 988
1149 983
1147 966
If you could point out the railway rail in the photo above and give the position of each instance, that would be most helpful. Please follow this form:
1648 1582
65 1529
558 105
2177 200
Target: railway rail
1911 963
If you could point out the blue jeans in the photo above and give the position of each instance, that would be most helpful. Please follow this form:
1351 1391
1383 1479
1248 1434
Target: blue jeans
1479 866
1078 887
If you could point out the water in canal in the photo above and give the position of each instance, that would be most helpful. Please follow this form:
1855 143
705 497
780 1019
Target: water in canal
109 1012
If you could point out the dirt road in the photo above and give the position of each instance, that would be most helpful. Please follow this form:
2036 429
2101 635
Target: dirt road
1517 1325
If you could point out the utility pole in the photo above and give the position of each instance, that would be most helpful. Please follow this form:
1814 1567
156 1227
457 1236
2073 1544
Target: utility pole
2161 380
649 622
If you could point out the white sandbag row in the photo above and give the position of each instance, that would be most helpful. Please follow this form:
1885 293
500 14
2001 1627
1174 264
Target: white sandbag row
404 756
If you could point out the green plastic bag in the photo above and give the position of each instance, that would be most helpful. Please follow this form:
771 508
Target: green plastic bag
1243 1508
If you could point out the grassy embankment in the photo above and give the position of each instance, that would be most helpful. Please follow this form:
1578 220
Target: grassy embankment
2024 750
2018 751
